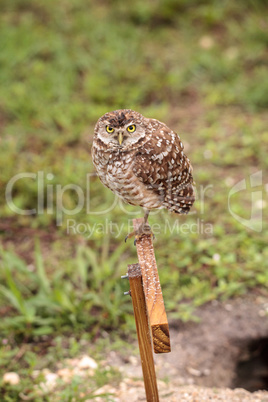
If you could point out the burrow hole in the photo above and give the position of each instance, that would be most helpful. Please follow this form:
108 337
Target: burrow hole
252 366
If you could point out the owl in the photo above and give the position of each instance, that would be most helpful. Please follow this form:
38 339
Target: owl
143 162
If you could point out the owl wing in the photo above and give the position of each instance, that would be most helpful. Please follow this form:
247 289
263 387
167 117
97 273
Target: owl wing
161 165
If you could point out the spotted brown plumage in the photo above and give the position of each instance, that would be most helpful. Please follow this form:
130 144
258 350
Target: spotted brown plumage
145 167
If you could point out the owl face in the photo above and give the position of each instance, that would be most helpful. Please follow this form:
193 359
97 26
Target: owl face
120 129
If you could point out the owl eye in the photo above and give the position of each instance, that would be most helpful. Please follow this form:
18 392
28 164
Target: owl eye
131 128
109 129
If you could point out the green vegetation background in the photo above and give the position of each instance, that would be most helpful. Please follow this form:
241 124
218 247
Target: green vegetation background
200 66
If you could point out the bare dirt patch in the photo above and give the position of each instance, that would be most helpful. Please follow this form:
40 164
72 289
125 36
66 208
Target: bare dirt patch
210 352
226 349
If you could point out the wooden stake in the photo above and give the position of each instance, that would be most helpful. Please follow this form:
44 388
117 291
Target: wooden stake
153 293
143 332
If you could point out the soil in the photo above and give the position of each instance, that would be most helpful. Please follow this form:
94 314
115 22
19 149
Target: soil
222 357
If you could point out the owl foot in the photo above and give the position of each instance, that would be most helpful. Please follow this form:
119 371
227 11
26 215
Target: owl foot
144 228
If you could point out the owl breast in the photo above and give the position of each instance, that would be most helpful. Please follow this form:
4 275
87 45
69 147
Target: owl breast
116 172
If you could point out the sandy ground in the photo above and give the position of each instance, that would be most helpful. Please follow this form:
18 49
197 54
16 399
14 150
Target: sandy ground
133 391
203 364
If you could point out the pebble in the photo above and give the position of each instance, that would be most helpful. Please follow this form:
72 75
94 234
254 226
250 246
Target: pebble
87 362
11 378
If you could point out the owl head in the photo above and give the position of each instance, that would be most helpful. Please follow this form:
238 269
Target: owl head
121 129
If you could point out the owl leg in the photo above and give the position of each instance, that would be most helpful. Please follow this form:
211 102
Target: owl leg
144 228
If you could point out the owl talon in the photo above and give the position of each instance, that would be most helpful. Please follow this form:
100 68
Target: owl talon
139 236
143 229
129 235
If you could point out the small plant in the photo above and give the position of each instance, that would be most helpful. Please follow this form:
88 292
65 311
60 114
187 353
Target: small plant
90 297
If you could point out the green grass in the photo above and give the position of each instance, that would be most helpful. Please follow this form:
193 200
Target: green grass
198 66
87 293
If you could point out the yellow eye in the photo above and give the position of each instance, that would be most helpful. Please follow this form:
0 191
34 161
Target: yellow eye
109 129
131 128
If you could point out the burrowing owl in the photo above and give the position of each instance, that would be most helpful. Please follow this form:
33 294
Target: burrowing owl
142 161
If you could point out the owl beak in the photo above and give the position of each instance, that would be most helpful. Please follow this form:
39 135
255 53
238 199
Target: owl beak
120 138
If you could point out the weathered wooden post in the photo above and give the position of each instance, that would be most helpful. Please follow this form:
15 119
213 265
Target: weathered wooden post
149 311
